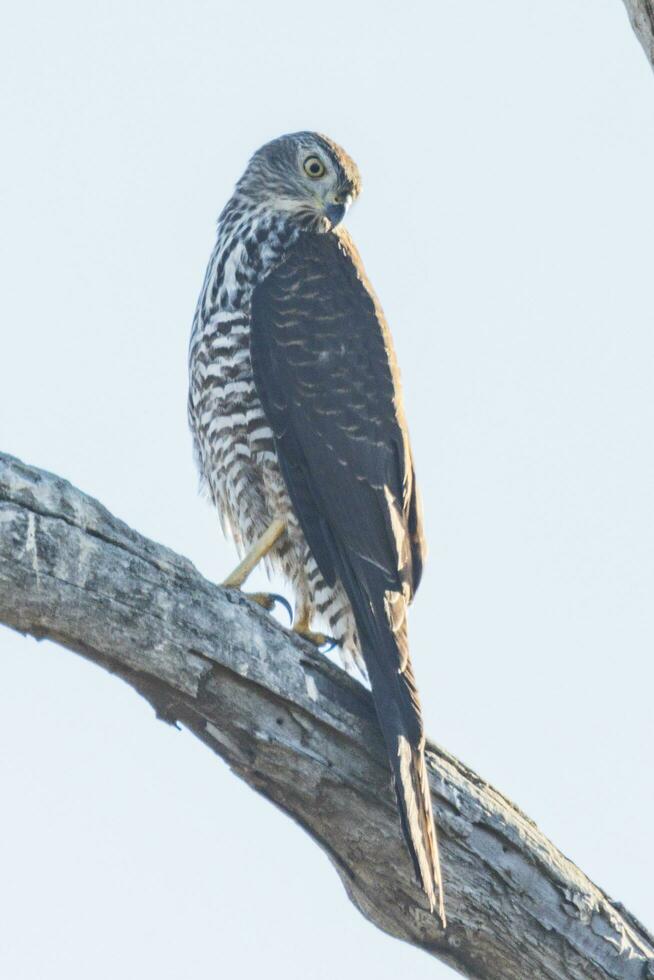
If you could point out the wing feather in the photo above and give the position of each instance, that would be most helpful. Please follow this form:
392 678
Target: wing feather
325 371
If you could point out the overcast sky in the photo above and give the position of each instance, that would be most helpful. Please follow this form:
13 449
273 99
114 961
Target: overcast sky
507 153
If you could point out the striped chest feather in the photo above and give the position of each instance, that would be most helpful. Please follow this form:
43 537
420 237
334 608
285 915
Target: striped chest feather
233 443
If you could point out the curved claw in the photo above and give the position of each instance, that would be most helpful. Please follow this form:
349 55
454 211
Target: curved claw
276 598
268 601
328 644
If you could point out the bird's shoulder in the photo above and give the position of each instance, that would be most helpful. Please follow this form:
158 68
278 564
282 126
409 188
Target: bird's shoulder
320 285
318 316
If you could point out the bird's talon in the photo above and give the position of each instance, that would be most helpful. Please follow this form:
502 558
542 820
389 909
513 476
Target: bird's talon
268 600
283 602
317 639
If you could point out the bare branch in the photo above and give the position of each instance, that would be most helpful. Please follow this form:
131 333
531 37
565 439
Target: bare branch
303 733
641 15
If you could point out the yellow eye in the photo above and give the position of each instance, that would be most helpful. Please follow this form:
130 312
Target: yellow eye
314 167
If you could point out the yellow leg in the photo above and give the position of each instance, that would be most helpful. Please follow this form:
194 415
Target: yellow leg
259 550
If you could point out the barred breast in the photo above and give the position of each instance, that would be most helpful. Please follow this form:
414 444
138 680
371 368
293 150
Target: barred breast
232 438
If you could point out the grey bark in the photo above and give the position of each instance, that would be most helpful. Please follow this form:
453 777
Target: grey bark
641 15
303 733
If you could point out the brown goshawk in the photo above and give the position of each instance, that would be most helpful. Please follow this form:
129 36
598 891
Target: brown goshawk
301 440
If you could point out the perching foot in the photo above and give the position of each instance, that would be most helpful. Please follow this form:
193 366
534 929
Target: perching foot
268 600
319 640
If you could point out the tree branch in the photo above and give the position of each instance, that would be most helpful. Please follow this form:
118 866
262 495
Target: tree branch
303 733
641 15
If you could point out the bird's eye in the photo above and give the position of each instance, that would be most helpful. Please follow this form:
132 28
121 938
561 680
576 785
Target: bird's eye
314 167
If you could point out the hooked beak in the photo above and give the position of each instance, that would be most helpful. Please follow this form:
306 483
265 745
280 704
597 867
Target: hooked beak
336 209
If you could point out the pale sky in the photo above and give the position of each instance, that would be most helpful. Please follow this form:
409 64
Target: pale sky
507 153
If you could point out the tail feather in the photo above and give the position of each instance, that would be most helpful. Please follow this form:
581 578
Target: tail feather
380 616
398 710
414 799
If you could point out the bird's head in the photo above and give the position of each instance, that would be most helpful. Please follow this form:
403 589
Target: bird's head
304 176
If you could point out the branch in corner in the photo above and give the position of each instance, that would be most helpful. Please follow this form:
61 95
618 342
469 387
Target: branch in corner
641 15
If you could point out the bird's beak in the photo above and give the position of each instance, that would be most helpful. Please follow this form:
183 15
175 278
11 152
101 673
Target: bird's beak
337 208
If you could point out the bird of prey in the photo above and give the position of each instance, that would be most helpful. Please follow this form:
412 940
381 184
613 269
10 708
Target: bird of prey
301 439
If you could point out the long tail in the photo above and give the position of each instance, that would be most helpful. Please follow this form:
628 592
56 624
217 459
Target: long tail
383 635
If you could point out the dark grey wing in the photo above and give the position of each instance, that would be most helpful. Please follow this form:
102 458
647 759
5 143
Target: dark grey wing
325 371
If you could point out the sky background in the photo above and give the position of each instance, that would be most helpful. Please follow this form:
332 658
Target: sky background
507 153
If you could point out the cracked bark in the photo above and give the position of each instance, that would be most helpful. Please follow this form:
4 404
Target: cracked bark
303 734
641 15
